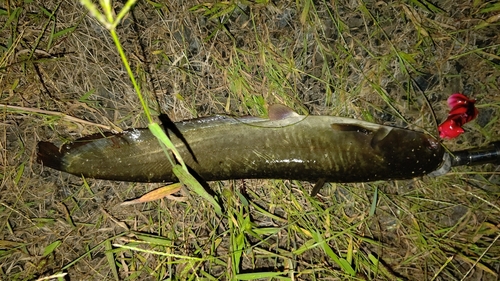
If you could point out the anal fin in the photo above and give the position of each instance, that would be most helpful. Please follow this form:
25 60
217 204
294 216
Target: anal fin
317 186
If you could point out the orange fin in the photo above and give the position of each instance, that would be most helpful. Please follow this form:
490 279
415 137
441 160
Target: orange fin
279 112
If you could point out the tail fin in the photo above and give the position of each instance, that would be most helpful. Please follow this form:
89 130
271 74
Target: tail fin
50 155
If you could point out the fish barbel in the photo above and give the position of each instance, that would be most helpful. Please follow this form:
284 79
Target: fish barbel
285 146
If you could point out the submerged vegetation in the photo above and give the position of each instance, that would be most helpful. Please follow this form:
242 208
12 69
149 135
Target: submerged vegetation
388 62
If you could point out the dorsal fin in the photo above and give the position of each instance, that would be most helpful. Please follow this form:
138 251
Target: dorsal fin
344 127
279 112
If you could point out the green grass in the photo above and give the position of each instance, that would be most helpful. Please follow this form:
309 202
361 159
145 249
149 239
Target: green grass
60 75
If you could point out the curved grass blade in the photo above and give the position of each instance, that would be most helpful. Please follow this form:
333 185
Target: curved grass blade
111 22
186 178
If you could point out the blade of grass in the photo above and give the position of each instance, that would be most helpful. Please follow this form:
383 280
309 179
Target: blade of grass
155 194
51 248
373 207
111 23
343 263
111 258
260 275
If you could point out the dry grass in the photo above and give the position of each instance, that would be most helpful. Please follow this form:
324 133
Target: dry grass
392 62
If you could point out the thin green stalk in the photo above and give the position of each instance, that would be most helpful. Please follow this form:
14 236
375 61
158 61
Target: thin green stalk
180 170
131 75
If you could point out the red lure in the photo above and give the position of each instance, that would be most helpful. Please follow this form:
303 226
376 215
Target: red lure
462 111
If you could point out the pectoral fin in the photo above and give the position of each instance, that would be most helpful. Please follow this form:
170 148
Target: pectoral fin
379 136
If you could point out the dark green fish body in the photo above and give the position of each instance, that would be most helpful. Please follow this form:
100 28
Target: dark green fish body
288 147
